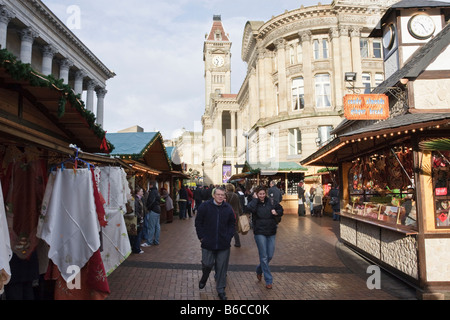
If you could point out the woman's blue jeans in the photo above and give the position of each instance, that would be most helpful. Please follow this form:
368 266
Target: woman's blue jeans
266 249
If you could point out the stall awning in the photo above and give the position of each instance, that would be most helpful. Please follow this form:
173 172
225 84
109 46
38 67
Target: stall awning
146 148
360 141
271 168
240 176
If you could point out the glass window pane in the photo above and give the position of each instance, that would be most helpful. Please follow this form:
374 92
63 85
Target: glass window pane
316 49
323 91
299 141
364 46
299 53
325 48
377 49
366 82
298 92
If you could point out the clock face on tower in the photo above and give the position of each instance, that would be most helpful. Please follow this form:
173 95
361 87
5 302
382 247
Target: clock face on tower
421 26
218 61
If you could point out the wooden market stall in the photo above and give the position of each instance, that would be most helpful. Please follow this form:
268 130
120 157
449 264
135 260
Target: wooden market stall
146 150
394 173
45 126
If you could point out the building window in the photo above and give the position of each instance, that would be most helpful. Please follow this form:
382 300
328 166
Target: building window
295 142
298 94
291 55
367 83
316 49
299 53
320 49
325 48
379 78
377 49
323 90
324 133
364 48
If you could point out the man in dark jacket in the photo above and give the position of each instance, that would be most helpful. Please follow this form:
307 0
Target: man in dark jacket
153 215
215 225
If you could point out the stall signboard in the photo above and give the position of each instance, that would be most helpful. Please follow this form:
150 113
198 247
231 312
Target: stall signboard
366 107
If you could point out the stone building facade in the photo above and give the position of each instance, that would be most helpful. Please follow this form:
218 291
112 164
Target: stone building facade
33 33
292 96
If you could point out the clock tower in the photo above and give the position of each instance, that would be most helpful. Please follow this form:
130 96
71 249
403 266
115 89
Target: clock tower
406 26
217 58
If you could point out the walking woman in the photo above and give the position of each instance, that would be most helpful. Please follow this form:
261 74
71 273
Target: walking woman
265 212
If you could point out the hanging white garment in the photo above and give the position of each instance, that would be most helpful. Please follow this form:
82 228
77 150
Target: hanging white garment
116 245
70 226
5 246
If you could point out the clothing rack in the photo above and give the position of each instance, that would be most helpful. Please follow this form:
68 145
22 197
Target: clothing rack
76 160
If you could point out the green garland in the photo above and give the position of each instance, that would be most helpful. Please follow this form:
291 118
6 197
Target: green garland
23 71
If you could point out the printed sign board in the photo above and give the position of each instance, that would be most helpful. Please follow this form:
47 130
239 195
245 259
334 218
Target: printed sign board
366 107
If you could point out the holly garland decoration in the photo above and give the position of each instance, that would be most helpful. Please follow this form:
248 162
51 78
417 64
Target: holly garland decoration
23 71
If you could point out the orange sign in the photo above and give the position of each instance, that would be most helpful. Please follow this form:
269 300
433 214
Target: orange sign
366 107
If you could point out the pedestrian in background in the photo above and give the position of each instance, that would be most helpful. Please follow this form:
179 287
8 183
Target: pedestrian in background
169 206
197 198
215 225
274 192
139 211
190 200
233 199
301 199
154 212
318 201
264 216
182 202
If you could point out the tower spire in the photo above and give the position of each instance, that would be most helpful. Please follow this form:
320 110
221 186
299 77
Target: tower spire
217 32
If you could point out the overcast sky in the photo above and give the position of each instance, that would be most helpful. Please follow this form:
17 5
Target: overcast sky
156 50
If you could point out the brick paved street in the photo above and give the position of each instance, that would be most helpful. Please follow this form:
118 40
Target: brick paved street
309 264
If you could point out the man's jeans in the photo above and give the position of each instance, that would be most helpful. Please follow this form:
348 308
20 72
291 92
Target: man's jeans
266 249
154 228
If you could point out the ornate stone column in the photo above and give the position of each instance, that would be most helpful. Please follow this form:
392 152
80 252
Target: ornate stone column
79 78
280 45
101 93
90 95
355 37
48 52
26 48
337 56
65 65
5 17
308 79
233 132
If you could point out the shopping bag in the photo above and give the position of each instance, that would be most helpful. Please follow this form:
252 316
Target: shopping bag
244 224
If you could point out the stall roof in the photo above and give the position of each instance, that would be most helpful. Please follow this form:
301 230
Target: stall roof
368 137
145 147
276 167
